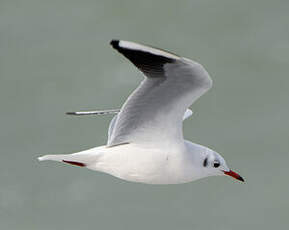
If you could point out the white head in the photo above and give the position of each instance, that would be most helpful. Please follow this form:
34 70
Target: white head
212 163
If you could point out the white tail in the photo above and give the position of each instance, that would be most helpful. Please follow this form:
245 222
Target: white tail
82 159
52 157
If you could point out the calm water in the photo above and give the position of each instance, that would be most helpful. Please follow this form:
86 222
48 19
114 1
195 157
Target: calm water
55 57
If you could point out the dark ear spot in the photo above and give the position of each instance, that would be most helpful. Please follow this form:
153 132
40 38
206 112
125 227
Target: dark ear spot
205 163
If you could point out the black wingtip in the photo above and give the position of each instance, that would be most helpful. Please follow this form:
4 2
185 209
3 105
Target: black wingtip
70 113
114 43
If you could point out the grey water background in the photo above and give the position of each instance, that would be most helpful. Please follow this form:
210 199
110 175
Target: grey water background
55 57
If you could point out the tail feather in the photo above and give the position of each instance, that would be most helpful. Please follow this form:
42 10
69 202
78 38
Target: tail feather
78 160
81 159
52 157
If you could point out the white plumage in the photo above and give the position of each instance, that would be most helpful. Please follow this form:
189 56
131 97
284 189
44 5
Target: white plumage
145 138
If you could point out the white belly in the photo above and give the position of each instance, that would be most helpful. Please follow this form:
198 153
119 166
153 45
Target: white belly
146 165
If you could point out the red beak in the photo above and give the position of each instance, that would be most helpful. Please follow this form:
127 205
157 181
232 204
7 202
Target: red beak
235 175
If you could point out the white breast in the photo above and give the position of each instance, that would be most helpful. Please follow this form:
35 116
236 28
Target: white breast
135 163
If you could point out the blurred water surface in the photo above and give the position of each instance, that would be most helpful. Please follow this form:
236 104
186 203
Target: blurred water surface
55 57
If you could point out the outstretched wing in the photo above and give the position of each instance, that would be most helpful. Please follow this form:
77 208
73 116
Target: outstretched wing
187 114
153 113
96 112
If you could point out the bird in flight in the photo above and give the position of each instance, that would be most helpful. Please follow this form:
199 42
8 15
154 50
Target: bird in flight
145 137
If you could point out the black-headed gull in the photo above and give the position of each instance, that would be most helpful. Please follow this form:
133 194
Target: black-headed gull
145 138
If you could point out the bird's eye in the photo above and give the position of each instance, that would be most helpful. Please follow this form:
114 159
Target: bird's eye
216 164
205 163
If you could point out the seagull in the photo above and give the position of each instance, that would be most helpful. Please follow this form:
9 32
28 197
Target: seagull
145 137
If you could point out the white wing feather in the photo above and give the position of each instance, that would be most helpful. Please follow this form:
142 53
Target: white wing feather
154 111
187 114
